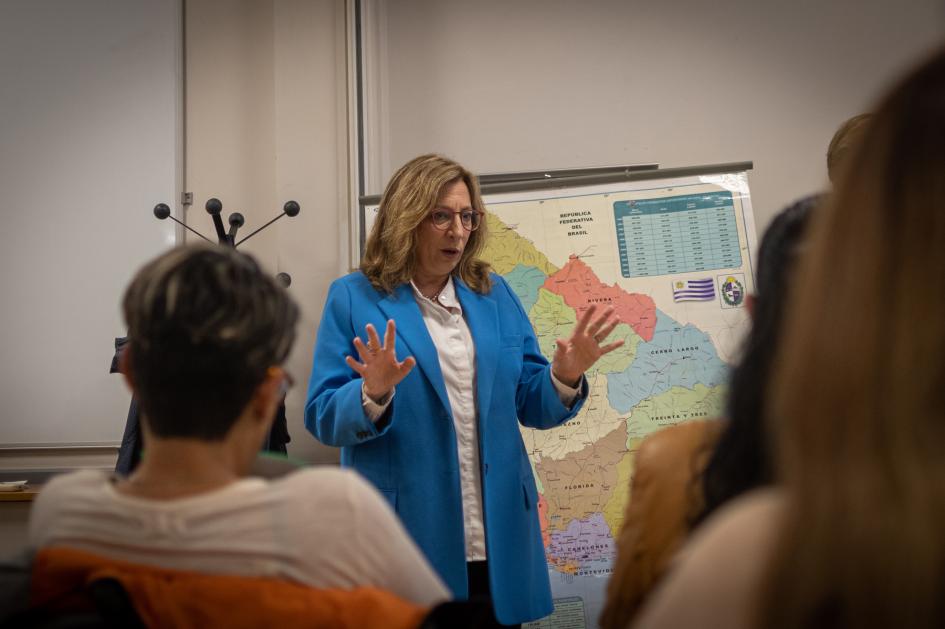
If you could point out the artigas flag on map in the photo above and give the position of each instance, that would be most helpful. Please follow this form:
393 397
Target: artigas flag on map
694 290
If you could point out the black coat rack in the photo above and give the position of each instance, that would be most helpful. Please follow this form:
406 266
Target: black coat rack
131 443
214 208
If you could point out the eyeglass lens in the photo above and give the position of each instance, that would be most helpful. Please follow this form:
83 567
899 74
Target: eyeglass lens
469 218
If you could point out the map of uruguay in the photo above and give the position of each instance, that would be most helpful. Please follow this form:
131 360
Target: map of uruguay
666 372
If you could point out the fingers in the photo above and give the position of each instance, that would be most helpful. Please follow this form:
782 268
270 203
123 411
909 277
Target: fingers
606 330
585 318
363 352
355 365
407 364
605 349
594 328
380 361
374 341
389 335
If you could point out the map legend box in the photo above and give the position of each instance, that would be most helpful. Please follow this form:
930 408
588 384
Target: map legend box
680 234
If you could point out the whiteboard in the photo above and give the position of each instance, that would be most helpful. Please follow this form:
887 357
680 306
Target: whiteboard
90 140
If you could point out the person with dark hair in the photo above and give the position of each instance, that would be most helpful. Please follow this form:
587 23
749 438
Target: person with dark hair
685 472
741 459
208 334
852 534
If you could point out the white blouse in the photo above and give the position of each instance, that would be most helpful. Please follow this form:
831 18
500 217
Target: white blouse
457 355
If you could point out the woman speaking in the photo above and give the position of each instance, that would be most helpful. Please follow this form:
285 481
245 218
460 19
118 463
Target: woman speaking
429 413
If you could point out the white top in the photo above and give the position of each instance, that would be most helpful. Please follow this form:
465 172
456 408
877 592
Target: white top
457 355
715 580
324 527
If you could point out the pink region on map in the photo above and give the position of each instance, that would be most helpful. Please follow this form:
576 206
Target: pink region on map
543 519
583 541
580 287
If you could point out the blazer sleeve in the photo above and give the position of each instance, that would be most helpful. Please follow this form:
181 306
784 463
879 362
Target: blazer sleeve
333 410
536 399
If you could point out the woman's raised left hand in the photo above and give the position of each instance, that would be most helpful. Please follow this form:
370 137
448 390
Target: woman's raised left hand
583 348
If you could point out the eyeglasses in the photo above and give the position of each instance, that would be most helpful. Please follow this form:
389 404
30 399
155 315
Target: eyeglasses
287 381
442 219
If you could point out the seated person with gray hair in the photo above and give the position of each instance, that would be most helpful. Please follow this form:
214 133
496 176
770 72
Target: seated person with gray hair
209 331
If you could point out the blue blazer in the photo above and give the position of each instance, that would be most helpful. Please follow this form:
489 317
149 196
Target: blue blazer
410 453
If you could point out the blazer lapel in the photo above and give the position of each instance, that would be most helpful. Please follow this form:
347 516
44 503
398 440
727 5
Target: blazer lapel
403 309
482 315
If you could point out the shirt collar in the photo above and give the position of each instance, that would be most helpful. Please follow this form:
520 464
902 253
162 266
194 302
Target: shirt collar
447 296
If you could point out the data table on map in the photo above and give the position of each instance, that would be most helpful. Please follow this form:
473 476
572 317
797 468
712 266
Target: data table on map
679 234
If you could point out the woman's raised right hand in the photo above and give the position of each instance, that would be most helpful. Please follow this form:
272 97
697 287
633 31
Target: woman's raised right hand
379 367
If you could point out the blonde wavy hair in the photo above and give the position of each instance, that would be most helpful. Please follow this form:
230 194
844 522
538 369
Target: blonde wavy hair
390 254
843 144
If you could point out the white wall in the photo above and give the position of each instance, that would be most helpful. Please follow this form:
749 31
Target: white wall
535 84
266 122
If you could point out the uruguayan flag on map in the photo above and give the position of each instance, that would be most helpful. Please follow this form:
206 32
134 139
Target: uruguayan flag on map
694 290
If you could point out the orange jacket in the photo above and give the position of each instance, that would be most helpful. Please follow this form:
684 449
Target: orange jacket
665 498
182 600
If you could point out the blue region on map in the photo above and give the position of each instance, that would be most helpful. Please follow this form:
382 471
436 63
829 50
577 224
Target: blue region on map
525 281
677 356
